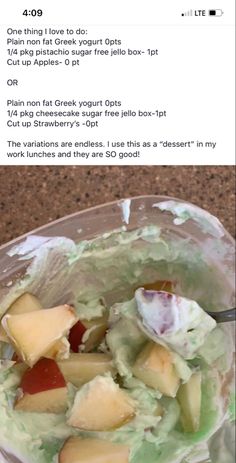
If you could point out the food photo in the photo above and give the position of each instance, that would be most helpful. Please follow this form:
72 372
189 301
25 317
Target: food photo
117 310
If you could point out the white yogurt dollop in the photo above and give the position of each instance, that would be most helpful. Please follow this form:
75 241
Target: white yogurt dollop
178 322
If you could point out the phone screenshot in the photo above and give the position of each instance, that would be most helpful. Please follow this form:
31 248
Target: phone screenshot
117 231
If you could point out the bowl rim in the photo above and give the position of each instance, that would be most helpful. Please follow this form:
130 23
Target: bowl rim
98 206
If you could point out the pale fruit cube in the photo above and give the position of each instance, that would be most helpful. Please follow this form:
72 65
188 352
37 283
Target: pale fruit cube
101 406
23 304
154 366
34 333
97 330
189 397
51 401
60 350
79 369
77 450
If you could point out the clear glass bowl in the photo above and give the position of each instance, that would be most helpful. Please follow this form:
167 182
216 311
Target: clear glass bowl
100 220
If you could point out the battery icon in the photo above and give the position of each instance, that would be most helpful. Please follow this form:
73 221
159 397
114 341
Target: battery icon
215 12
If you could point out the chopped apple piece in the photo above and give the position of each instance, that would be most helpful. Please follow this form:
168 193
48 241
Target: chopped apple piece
101 405
33 334
189 397
51 401
75 336
79 369
154 366
23 304
60 350
43 389
96 330
44 375
77 450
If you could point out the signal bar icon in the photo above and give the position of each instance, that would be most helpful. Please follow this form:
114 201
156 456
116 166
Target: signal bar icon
188 13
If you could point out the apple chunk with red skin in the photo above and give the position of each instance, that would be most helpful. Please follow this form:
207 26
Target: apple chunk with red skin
89 450
97 327
75 336
34 334
43 389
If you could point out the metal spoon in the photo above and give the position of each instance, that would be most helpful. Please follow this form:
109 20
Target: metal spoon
224 316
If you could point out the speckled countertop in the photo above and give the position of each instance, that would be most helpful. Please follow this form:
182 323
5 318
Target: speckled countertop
32 196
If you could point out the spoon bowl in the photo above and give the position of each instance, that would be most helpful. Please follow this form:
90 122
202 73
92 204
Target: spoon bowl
224 316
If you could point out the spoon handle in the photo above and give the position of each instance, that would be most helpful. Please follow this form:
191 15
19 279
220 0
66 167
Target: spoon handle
224 316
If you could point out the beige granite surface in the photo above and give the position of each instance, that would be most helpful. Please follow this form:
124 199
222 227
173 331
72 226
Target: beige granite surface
31 196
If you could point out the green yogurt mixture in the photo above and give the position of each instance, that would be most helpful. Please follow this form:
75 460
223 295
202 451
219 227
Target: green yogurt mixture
107 271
